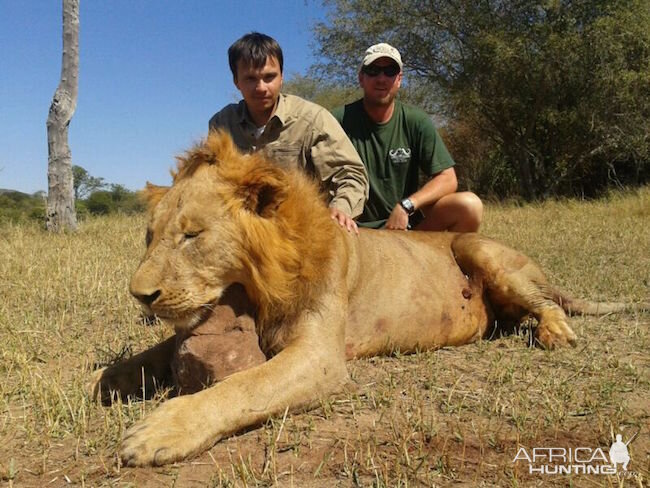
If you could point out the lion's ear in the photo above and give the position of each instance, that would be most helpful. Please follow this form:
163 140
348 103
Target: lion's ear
263 190
152 194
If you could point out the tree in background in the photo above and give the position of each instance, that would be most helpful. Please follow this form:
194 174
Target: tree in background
84 184
118 199
321 91
60 214
329 93
539 97
91 198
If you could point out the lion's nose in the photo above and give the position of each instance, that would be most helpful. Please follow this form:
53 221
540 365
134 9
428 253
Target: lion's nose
148 299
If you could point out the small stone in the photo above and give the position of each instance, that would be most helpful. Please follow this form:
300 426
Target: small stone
223 344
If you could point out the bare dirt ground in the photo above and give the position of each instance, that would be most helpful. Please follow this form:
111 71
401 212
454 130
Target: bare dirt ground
452 417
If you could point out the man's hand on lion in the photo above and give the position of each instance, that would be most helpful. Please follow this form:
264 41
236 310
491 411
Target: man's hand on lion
344 220
398 219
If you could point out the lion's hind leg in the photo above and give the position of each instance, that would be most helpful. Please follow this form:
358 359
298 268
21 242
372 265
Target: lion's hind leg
515 286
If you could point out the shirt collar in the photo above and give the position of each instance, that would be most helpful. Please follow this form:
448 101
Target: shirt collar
242 112
281 112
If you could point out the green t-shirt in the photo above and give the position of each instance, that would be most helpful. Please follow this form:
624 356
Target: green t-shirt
393 153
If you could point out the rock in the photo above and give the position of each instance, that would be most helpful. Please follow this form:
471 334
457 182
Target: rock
223 344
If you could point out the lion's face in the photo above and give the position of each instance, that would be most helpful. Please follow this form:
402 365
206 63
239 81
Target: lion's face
192 251
231 218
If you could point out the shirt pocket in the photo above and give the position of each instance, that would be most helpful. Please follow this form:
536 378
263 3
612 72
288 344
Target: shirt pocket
285 155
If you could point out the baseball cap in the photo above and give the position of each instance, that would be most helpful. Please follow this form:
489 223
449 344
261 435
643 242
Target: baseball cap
381 50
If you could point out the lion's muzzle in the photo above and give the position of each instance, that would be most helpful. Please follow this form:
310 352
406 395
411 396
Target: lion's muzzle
147 299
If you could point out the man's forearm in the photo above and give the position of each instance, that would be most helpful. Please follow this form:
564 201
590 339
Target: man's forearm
444 183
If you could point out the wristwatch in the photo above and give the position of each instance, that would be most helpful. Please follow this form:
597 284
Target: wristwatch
408 206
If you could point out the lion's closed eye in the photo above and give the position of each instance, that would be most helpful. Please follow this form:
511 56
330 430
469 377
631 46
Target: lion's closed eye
191 234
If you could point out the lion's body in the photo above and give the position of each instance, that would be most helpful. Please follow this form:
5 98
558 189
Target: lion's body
322 294
407 292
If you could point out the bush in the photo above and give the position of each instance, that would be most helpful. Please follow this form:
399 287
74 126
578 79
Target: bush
20 207
100 203
118 199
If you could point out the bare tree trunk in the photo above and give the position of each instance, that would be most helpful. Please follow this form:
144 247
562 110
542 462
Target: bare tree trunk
61 213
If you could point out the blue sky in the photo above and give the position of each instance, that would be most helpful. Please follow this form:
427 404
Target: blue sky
151 75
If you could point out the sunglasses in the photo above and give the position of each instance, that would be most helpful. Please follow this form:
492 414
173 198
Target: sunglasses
372 70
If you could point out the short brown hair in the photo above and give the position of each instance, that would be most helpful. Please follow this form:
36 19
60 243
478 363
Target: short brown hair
254 49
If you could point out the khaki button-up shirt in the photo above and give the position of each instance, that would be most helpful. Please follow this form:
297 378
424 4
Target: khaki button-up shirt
305 135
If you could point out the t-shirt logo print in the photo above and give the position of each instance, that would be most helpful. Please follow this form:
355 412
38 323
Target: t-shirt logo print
400 155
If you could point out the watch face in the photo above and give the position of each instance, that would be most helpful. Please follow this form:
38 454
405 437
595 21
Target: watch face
407 205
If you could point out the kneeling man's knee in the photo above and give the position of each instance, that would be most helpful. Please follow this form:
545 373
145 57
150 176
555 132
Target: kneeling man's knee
472 212
475 208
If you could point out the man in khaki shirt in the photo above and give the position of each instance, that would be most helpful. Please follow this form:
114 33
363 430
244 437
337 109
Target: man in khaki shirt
291 131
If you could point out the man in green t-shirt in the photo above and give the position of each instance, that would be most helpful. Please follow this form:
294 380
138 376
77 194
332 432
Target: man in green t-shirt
396 141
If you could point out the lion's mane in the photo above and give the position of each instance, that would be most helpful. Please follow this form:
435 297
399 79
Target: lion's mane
283 225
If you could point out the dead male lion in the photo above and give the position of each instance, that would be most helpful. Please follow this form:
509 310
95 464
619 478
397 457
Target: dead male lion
322 295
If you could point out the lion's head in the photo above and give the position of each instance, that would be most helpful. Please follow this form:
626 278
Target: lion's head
232 218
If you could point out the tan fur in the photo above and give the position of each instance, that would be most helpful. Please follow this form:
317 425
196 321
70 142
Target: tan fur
322 294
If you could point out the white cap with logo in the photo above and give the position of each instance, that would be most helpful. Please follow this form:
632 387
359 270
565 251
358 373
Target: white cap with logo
381 50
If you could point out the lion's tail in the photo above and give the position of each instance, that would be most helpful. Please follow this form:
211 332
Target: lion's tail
577 306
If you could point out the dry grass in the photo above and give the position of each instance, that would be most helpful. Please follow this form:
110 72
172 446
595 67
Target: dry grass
450 417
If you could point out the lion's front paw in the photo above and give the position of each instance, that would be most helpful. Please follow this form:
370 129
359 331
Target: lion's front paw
171 433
